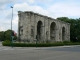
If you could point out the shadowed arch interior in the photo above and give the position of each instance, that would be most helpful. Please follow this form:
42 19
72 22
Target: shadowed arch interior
63 33
52 31
39 29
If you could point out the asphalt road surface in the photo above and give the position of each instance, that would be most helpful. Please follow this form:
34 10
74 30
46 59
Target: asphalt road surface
46 53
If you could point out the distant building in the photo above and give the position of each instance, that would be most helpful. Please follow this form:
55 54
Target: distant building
45 28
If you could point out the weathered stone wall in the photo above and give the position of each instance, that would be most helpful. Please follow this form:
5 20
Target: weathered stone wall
48 29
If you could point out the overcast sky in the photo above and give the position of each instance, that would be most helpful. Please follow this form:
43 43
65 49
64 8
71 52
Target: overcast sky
51 8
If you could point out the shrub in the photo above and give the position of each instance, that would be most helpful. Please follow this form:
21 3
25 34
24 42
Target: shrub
72 43
6 43
66 41
23 45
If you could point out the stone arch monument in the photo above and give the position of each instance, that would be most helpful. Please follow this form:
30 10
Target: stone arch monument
46 28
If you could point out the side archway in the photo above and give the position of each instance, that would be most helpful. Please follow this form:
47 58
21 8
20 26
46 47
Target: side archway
63 33
53 31
39 29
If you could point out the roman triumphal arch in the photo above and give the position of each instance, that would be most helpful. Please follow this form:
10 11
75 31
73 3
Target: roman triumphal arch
46 29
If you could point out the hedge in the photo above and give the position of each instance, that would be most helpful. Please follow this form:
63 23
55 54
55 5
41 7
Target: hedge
8 43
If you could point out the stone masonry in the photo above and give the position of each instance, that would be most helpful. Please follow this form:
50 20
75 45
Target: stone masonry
46 29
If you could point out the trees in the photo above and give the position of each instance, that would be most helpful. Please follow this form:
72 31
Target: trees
74 28
6 35
2 36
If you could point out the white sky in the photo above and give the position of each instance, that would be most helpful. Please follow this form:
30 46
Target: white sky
51 8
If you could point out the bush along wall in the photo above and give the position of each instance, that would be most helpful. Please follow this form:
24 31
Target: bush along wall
8 43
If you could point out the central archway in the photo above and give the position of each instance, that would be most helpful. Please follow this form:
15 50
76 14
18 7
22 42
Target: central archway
39 30
53 31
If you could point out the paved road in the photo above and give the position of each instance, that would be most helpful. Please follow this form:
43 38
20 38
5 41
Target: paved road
50 53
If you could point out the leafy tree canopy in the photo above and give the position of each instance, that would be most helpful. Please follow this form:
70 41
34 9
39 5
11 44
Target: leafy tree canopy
6 35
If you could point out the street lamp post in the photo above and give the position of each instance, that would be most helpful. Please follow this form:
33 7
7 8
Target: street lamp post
36 40
11 28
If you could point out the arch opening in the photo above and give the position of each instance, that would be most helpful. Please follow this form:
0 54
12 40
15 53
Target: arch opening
53 31
63 33
39 30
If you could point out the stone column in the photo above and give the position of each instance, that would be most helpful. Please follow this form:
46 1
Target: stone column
19 15
49 29
35 26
